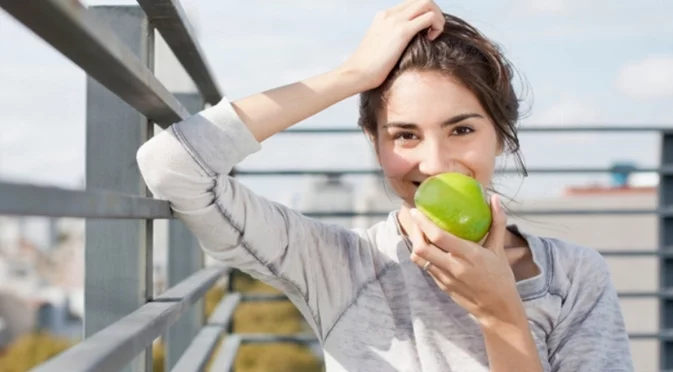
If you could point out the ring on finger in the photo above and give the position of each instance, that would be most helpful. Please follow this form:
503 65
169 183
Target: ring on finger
427 265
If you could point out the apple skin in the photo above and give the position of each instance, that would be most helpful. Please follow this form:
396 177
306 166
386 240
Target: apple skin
456 203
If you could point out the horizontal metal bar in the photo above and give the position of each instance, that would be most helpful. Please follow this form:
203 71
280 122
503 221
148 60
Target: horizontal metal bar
529 129
75 32
226 356
639 294
170 20
116 345
541 212
194 286
264 338
198 353
319 172
33 200
263 297
665 335
666 253
221 316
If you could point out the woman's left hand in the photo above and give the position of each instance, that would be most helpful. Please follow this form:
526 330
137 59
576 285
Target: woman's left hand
479 278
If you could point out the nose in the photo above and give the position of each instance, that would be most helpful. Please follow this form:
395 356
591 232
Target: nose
435 159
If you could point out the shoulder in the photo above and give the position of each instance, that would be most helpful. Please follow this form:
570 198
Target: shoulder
575 267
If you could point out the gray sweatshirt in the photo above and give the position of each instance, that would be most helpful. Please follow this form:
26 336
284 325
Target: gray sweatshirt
371 307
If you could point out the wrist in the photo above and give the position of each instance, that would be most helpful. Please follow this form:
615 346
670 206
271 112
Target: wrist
511 314
357 80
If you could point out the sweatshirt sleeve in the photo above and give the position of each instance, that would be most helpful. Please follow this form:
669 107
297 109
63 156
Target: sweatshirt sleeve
590 334
319 266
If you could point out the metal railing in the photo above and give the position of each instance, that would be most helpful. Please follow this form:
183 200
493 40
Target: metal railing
114 46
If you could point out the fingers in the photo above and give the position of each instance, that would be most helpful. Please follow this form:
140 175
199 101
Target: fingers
445 281
424 251
496 235
422 22
424 14
440 238
427 252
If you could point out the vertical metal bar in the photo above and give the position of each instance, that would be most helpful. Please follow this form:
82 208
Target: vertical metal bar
665 261
118 252
184 258
231 286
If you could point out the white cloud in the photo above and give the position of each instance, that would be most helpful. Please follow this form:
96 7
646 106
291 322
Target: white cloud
649 78
568 111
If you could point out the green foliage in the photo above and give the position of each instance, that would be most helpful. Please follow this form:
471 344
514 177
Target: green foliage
31 350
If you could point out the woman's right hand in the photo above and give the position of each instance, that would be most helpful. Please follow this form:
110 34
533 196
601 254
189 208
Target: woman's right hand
388 36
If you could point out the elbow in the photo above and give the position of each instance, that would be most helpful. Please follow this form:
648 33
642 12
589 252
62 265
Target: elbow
166 167
153 169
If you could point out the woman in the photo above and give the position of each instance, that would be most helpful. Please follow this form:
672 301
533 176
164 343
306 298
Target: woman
402 295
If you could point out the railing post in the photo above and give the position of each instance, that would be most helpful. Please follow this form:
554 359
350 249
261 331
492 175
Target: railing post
118 252
666 261
184 258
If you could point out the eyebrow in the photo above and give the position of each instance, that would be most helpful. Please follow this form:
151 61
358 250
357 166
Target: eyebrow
451 121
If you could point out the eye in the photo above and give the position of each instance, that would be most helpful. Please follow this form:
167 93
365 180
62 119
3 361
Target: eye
462 130
404 136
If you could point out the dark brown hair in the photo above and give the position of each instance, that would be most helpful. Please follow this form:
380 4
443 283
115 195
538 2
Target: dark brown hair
466 55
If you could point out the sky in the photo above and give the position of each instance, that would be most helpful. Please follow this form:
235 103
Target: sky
583 62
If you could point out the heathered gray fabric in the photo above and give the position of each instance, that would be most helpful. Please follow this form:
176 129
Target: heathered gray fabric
370 306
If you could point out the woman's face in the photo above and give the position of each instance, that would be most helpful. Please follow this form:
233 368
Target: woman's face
431 124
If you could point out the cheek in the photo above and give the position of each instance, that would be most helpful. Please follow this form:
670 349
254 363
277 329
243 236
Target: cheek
482 163
393 164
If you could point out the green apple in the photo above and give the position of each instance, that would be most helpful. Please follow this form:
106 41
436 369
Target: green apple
456 203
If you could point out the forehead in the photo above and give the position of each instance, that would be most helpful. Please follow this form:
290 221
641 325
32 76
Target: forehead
427 98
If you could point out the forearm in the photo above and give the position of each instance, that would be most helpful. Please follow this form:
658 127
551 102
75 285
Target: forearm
275 110
510 346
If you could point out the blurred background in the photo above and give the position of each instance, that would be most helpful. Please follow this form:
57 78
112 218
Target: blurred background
582 64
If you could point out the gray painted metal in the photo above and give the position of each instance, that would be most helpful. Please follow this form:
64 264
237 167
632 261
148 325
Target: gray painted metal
118 254
111 348
202 346
34 200
226 356
666 245
79 34
260 338
170 20
529 129
637 253
222 314
263 297
666 294
193 287
318 172
198 353
184 258
665 335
